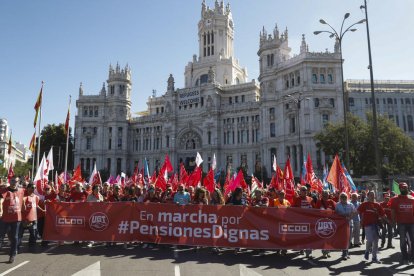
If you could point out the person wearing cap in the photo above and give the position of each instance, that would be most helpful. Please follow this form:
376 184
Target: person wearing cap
402 208
387 225
11 201
371 214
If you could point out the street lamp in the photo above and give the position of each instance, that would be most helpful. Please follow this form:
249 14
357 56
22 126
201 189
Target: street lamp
374 108
297 102
339 36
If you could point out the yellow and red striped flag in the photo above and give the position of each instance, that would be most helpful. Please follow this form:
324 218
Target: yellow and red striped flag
37 105
33 143
67 122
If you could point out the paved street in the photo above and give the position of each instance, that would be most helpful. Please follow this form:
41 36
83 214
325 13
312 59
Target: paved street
99 260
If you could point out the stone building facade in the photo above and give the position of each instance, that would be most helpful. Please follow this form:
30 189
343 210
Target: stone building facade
219 110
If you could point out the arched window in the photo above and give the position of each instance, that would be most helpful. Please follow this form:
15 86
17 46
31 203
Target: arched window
203 79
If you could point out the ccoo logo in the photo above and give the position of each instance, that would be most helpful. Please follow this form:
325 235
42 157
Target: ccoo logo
98 221
325 228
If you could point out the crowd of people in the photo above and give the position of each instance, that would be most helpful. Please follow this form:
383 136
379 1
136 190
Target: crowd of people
23 208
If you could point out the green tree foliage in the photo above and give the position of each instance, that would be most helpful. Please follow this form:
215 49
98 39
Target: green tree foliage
54 135
396 148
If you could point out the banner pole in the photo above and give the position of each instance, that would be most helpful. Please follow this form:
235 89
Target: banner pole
67 142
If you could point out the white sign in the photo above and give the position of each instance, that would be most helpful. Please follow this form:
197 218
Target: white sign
189 97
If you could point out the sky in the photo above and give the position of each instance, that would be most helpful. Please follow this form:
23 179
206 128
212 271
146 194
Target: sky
64 43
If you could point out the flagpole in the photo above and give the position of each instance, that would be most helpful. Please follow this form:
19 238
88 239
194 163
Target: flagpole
33 158
10 147
40 122
67 142
53 164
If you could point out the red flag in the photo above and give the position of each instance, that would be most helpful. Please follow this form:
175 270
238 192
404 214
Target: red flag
183 174
174 182
237 182
289 182
153 177
160 182
134 177
77 176
10 173
67 122
337 177
38 104
311 178
208 181
166 166
195 177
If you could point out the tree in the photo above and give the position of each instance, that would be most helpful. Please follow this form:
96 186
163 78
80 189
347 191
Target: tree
393 143
54 135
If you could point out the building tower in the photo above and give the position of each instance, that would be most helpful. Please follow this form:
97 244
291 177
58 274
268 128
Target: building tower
118 114
215 38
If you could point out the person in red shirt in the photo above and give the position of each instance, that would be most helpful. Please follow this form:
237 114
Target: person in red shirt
273 196
304 201
387 226
325 202
402 208
11 201
371 212
29 214
78 195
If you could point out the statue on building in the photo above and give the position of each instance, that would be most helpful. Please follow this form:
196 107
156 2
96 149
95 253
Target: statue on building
170 87
211 75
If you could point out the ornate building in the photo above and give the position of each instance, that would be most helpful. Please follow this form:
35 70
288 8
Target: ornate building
218 111
19 151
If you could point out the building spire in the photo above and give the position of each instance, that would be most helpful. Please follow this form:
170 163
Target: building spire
303 46
81 89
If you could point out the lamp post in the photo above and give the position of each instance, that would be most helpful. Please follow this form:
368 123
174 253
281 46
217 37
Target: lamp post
339 36
374 107
297 102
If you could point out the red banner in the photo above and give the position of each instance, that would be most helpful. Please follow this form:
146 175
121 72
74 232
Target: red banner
201 225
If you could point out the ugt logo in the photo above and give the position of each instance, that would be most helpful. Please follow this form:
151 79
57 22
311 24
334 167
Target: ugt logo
325 228
98 221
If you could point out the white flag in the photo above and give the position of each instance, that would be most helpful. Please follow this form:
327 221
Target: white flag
274 163
214 164
198 160
49 161
93 175
42 171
